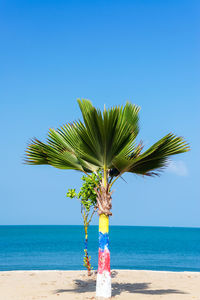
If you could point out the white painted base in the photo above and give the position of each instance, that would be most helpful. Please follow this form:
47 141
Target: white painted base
103 285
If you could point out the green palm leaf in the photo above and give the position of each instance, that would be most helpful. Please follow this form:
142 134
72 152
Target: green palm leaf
105 135
155 158
105 140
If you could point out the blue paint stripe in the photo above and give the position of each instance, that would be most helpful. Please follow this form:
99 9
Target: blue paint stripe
103 240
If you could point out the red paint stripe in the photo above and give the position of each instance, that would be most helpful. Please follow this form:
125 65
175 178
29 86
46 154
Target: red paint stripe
104 261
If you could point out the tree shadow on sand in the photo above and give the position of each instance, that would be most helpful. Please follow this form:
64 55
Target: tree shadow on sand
89 285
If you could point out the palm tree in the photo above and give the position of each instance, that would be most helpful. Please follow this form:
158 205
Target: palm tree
104 141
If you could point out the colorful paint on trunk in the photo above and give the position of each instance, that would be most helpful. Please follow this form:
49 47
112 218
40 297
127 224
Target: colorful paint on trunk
103 287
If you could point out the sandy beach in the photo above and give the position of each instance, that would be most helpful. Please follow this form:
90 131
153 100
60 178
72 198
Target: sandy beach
126 284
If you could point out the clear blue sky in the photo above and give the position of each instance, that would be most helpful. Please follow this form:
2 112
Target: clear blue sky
53 52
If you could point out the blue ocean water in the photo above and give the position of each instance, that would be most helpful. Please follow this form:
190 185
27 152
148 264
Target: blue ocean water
61 248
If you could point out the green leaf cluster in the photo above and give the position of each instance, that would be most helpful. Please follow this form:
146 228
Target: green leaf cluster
87 194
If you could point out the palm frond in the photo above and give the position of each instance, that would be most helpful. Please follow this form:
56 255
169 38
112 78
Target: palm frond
131 116
155 158
39 153
105 135
35 154
62 150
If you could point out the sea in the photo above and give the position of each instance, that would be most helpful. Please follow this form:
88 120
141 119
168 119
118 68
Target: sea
135 248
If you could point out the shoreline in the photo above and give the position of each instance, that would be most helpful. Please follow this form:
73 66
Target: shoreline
126 284
118 270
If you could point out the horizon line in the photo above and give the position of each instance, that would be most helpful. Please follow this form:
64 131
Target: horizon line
162 226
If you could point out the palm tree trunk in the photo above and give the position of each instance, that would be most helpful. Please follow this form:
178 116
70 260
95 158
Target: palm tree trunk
103 285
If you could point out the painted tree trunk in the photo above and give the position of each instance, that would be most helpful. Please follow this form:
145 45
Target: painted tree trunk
86 256
103 285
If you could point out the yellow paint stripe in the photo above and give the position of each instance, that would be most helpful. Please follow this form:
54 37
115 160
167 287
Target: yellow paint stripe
103 223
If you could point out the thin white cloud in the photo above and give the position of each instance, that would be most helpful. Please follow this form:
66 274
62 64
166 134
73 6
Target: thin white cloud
178 167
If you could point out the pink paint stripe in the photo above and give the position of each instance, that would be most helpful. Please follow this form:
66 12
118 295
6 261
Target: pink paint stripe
104 261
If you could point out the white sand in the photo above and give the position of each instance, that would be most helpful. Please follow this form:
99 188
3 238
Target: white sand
72 285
